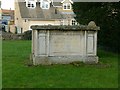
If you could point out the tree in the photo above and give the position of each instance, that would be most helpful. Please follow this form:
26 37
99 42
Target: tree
106 15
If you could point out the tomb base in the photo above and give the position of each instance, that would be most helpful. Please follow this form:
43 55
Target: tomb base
48 60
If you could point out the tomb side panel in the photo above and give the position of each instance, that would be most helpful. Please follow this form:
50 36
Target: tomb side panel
65 43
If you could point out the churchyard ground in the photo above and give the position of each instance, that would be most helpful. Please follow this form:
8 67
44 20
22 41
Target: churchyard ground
17 72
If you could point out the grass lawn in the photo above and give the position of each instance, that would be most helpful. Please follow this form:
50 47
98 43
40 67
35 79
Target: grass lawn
17 74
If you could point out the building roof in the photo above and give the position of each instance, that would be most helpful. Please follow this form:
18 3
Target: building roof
58 2
6 11
38 13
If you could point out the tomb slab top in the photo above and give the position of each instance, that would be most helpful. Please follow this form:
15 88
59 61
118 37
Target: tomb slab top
64 27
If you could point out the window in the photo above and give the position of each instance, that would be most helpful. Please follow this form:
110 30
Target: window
45 5
55 11
66 6
31 4
73 22
28 5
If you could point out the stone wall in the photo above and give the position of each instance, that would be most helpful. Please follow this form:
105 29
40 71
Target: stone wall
11 36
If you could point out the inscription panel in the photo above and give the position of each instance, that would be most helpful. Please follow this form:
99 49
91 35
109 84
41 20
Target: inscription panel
42 44
90 43
65 43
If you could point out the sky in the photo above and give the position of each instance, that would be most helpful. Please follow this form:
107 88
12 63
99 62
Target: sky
7 4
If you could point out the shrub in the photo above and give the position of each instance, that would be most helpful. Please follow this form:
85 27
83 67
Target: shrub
27 35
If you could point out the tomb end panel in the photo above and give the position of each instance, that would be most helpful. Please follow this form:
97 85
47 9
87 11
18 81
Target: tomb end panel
42 43
91 42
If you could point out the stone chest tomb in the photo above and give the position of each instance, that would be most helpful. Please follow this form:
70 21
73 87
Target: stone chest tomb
64 44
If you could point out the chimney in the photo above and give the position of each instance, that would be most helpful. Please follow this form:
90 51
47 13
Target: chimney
55 10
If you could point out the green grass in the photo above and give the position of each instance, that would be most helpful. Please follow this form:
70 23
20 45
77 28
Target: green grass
17 74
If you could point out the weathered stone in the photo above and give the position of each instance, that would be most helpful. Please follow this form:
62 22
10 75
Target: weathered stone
67 27
56 45
92 25
91 60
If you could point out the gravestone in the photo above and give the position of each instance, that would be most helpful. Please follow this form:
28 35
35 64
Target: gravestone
64 44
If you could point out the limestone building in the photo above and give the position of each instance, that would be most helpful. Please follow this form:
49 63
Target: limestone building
43 12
